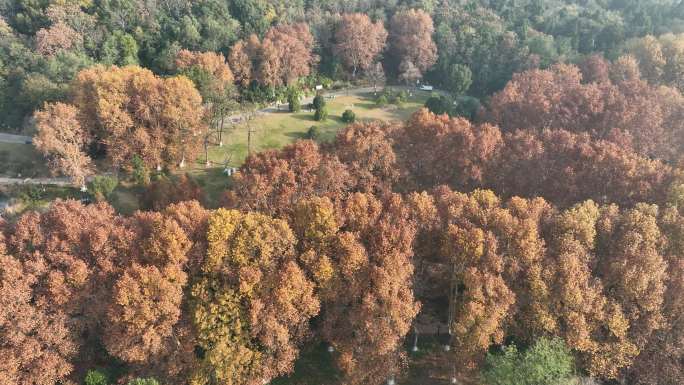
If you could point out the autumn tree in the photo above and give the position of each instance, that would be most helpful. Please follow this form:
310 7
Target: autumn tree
63 140
491 258
214 81
148 294
659 360
71 255
366 149
286 54
252 304
370 259
273 181
58 37
243 59
37 345
565 168
627 110
410 39
436 149
175 358
648 52
213 64
595 68
123 113
359 41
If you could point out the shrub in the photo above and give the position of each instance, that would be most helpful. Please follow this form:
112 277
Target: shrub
102 186
294 103
319 102
348 116
381 101
140 174
467 107
96 377
313 133
321 114
294 97
548 361
439 104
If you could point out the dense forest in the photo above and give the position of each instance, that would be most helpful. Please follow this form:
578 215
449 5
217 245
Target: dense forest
530 217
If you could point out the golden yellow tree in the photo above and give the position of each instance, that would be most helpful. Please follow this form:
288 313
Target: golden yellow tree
252 304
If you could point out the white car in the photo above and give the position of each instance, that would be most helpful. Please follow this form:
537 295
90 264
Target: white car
425 87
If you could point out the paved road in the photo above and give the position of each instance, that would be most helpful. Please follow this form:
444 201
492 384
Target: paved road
11 138
37 181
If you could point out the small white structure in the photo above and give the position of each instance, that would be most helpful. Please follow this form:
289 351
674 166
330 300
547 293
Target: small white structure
230 171
426 87
319 87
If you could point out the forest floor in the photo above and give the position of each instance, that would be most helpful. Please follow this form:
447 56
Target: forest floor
430 365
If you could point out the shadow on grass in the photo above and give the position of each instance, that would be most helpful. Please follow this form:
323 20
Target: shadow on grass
304 116
366 105
297 135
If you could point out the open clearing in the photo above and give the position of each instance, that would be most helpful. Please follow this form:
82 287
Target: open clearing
277 129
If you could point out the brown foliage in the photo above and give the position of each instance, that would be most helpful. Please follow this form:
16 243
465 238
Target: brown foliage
63 140
36 344
372 264
410 38
566 168
240 60
286 54
627 111
129 111
435 150
283 56
58 37
359 41
214 64
366 150
63 263
273 181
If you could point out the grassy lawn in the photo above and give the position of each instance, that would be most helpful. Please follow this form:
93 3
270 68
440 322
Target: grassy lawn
21 198
278 129
275 130
21 159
